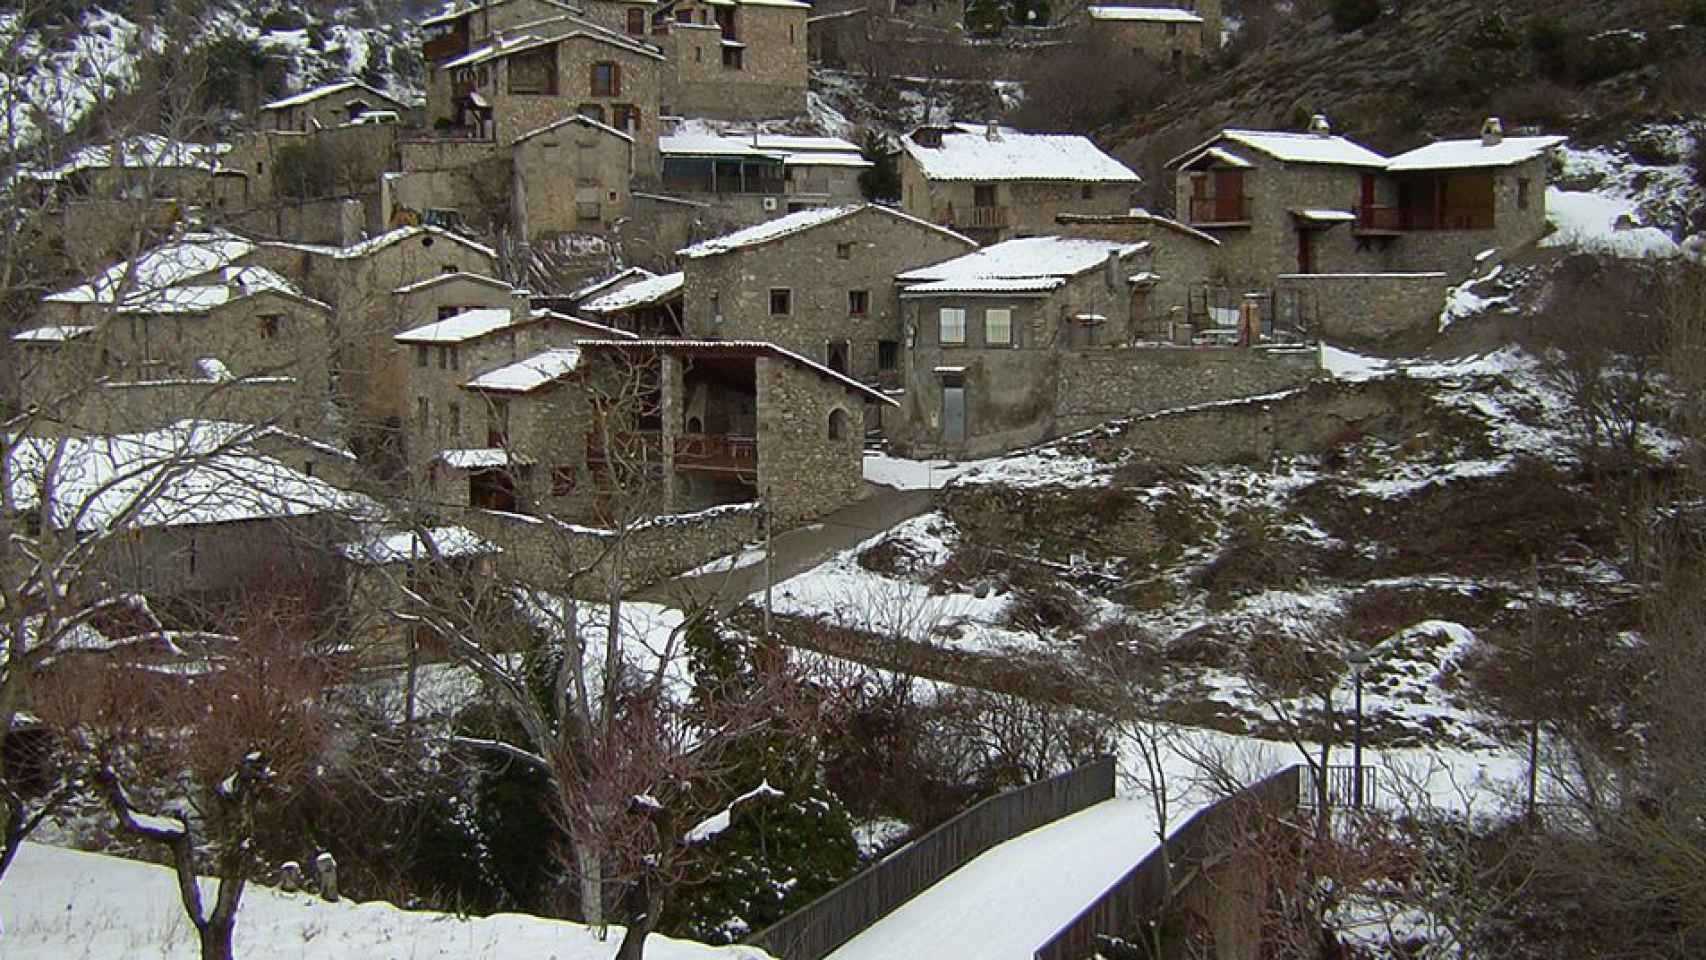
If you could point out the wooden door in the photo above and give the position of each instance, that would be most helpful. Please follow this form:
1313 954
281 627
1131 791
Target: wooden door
1229 196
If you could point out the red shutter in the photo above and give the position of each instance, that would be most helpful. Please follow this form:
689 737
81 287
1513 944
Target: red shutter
616 79
592 80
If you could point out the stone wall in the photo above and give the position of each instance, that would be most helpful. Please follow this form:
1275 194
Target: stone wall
575 177
809 264
1023 207
1179 256
1160 42
539 552
771 80
353 156
334 221
127 407
637 88
1361 308
193 559
810 441
445 153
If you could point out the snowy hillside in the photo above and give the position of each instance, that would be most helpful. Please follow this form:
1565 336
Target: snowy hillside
67 67
57 904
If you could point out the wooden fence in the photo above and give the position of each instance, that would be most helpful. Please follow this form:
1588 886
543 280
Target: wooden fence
1142 892
831 920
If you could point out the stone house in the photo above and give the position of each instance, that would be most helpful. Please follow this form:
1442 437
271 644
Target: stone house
1181 260
1167 35
550 70
819 283
359 282
1034 337
190 328
189 508
685 425
650 306
291 166
571 175
994 183
327 106
733 59
432 361
1363 244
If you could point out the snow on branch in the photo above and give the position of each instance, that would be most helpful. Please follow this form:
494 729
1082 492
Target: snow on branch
711 827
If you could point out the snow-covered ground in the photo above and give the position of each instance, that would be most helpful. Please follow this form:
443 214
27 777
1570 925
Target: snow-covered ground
62 904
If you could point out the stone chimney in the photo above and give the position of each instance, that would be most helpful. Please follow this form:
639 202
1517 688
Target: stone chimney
1492 132
1111 268
1318 126
991 131
520 306
351 222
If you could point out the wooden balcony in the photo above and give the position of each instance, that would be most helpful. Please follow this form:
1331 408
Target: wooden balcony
445 47
717 454
973 218
1227 211
1378 219
1385 220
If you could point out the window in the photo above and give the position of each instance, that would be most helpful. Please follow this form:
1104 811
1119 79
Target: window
781 302
636 22
270 325
455 419
625 117
858 302
683 16
698 54
591 111
423 414
445 313
998 327
534 72
888 355
732 58
837 424
952 328
606 79
1087 192
1522 193
562 481
835 355
983 195
421 355
844 251
444 357
790 33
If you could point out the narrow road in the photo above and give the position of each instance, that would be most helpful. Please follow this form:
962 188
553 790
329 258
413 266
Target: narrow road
799 549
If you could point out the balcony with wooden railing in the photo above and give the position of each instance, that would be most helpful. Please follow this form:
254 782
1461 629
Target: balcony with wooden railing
445 47
716 453
1378 219
1220 211
1390 219
973 218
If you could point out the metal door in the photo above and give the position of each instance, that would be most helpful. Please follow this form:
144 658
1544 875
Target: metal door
953 414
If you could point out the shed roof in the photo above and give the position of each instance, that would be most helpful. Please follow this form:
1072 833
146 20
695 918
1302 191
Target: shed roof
327 90
1462 154
1026 265
799 222
1144 14
968 153
1289 147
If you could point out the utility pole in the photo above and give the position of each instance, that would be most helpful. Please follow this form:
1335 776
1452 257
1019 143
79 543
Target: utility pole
769 567
1533 722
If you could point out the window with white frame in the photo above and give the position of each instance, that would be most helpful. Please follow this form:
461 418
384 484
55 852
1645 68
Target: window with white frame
952 329
998 327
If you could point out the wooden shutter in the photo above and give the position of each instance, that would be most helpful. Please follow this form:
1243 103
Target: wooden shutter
616 79
592 80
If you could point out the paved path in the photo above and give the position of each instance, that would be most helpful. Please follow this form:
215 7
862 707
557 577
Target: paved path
801 548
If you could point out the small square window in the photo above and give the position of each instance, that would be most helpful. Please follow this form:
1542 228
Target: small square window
781 302
1087 192
421 355
455 421
858 302
1522 193
998 327
888 355
844 251
270 324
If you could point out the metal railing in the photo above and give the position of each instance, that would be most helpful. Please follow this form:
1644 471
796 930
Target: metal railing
1341 787
700 451
985 218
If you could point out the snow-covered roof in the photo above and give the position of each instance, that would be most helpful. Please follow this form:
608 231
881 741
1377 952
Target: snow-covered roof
143 151
549 32
532 373
400 234
1459 154
403 546
463 326
968 153
798 151
56 333
1025 265
1144 14
740 347
442 278
327 90
480 458
176 262
641 293
177 475
1290 148
604 284
223 286
799 222
1324 216
576 119
456 10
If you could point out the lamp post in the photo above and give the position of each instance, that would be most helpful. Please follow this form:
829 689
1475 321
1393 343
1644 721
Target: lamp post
1358 663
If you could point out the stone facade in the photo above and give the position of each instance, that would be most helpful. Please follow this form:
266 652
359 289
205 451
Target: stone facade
838 277
573 176
734 61
192 559
1368 307
326 107
1073 361
352 157
811 441
1180 258
1162 37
